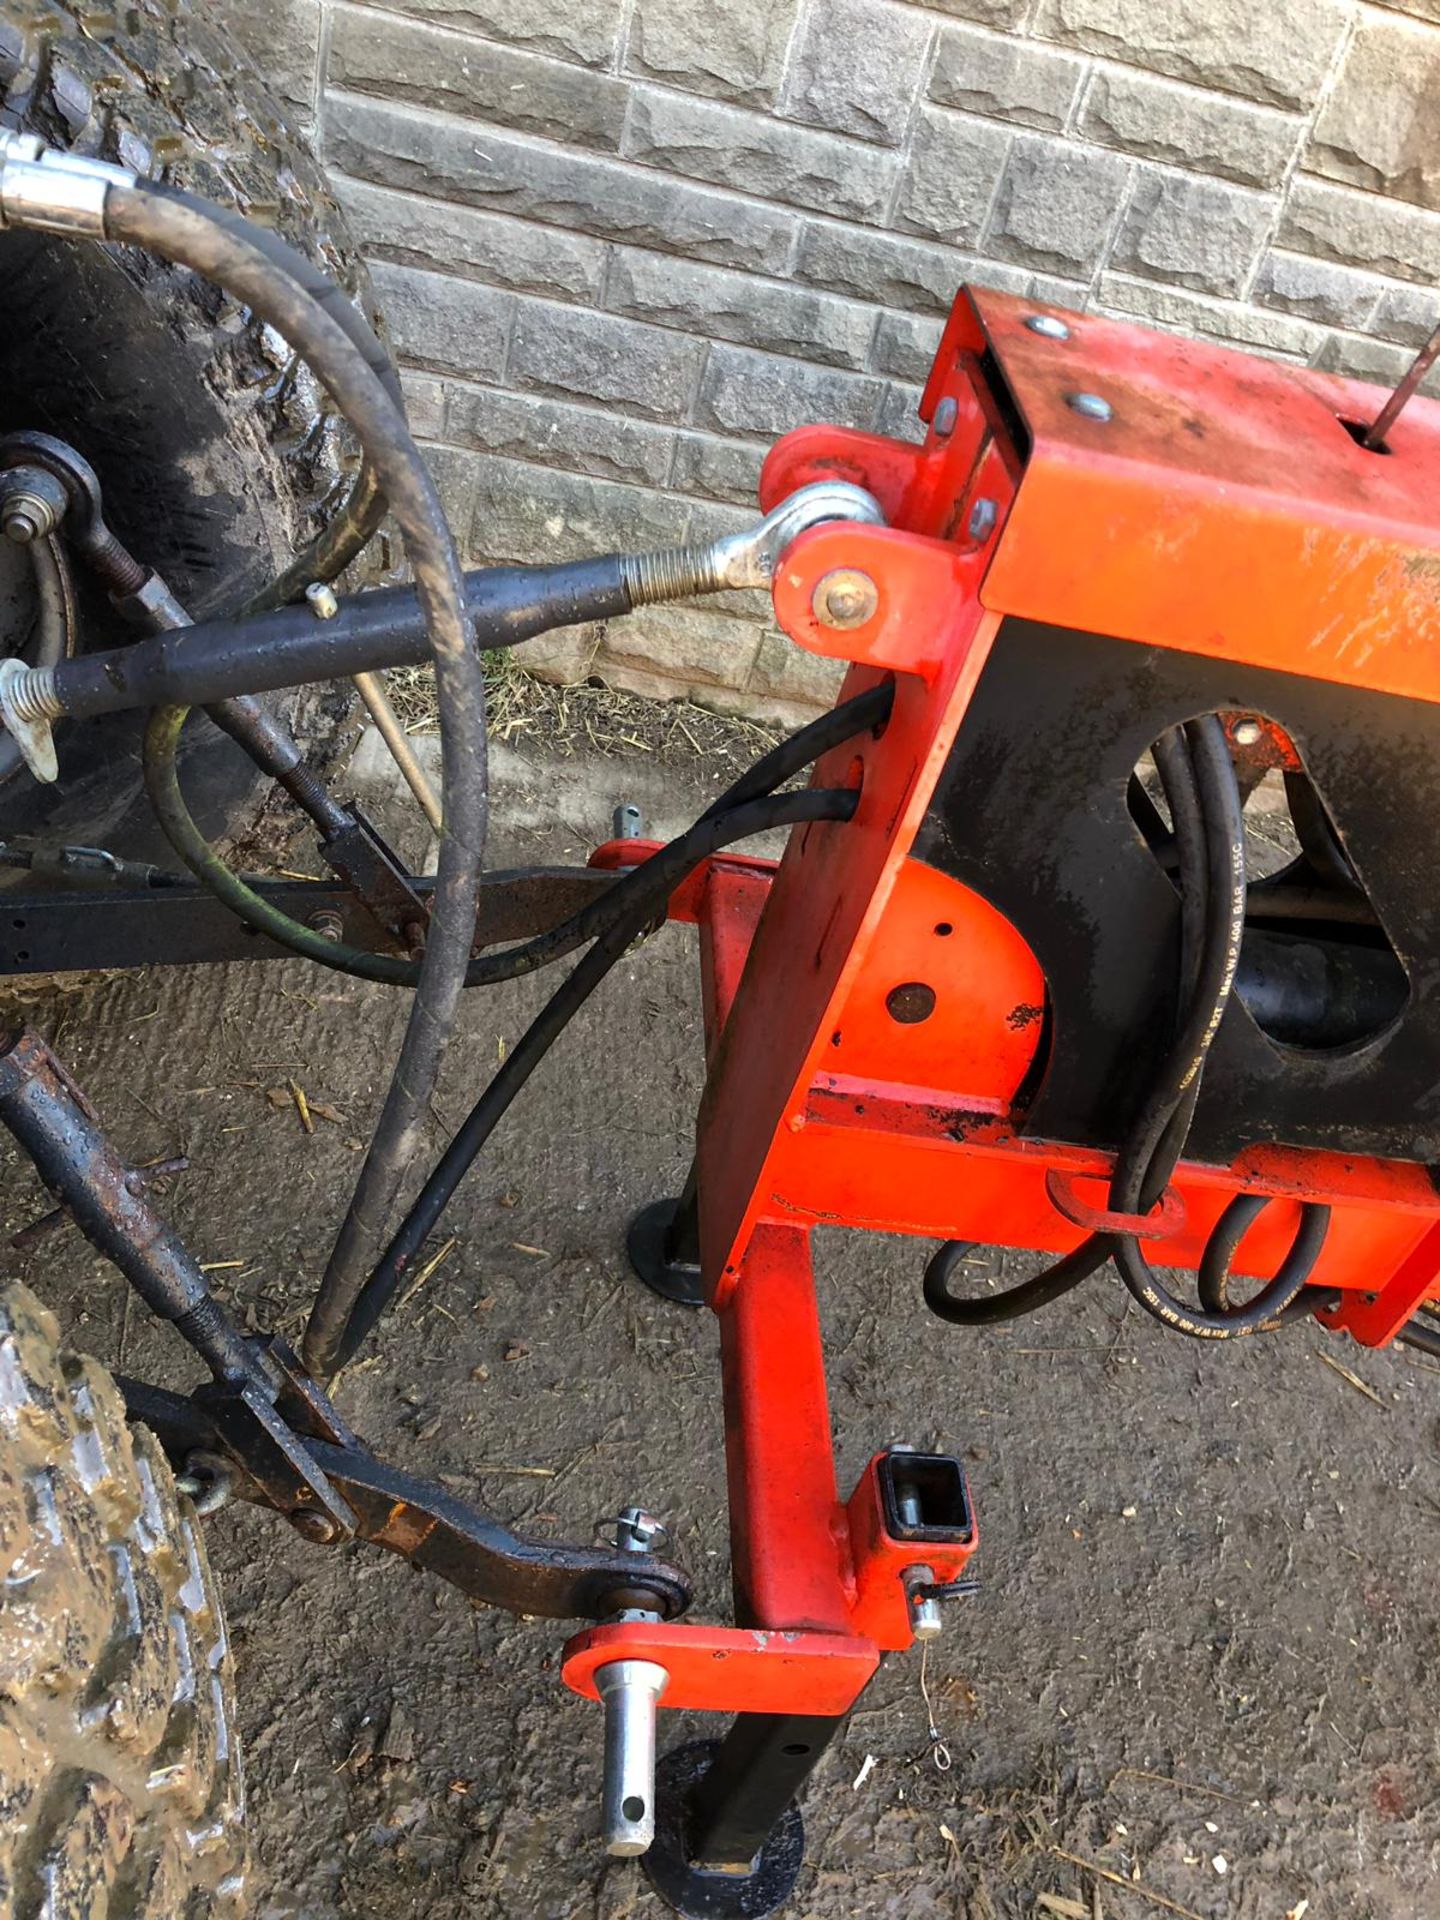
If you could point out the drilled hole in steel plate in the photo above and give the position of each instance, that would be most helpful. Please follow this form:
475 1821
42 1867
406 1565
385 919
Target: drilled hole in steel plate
19 925
22 953
1357 430
910 1003
944 929
796 1748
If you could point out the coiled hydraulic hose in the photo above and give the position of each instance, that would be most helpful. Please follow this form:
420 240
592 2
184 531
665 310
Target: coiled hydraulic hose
226 250
1200 785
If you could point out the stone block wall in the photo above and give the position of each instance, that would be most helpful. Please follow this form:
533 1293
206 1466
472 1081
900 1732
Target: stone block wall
623 244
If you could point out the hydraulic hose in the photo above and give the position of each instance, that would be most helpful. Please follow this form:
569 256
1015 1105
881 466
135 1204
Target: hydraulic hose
714 830
162 784
227 251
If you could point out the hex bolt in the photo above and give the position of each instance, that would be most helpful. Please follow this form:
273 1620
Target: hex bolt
1047 326
946 414
32 504
322 601
1247 733
311 1524
327 922
1089 405
845 598
983 516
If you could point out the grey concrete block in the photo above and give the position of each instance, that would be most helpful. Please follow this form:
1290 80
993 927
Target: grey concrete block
754 153
733 52
451 326
785 671
1277 55
1380 124
565 656
557 434
684 644
1298 283
726 470
574 353
745 392
856 67
1408 315
1194 233
282 38
511 173
950 182
1361 230
899 414
1365 359
909 274
1057 206
454 73
1203 132
905 345
424 403
582 30
1229 322
1017 81
812 326
523 512
517 254
1003 15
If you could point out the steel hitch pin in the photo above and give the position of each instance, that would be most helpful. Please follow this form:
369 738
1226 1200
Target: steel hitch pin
631 1691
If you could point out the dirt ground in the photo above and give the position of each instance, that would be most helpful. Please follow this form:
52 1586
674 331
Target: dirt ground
1201 1656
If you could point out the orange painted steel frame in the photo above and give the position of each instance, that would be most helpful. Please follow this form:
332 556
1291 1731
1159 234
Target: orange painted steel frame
1218 511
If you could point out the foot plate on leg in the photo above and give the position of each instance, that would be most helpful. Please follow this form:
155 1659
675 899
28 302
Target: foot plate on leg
647 1244
694 1892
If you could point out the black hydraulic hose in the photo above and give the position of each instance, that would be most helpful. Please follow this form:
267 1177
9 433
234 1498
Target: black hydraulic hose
162 784
1135 1169
226 252
1424 1339
1214 1279
1024 1297
1172 760
707 836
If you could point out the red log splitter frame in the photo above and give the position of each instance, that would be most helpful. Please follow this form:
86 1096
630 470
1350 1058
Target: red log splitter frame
955 1015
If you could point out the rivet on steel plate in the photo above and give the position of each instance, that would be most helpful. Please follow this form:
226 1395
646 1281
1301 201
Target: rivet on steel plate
1090 405
1047 325
946 414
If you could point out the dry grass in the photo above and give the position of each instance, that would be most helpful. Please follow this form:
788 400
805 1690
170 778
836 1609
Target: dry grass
587 718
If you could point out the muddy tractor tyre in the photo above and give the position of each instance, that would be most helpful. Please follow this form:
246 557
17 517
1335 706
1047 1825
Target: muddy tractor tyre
218 454
120 1782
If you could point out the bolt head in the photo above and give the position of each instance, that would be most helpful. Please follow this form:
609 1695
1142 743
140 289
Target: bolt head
946 414
983 516
1089 406
845 598
1047 326
323 603
1247 733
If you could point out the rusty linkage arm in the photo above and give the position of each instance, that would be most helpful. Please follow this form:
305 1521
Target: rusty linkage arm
263 1421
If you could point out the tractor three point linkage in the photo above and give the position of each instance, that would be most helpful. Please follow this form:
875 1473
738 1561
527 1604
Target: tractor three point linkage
1013 981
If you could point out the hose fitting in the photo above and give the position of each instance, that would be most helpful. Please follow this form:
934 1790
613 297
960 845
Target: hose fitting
53 191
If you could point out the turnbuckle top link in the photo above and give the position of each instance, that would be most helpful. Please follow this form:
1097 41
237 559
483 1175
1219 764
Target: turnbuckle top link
749 557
